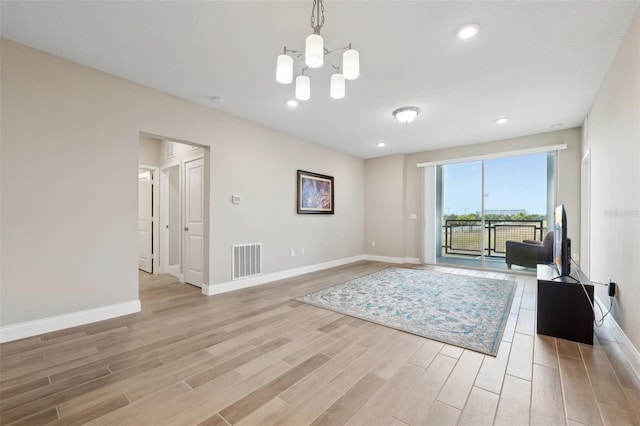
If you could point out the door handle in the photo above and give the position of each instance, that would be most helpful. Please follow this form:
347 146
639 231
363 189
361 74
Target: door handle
186 228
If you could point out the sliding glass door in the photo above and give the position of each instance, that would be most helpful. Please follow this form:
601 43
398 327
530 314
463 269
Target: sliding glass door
482 204
461 213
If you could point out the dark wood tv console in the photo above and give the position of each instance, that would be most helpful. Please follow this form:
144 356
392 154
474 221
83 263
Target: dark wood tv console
563 309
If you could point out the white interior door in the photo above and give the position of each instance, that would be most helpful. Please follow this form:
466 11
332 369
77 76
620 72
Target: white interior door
145 221
194 222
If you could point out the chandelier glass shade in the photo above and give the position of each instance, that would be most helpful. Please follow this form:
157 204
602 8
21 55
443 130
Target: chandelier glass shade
351 64
337 89
315 56
284 69
314 51
303 88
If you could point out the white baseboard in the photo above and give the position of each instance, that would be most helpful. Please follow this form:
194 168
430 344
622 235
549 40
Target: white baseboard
632 353
211 290
174 270
388 259
59 322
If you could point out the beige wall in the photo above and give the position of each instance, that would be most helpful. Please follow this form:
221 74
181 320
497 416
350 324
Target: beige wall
384 200
149 151
613 140
406 242
70 152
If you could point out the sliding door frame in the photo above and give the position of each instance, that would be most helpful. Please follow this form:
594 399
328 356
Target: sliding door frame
430 187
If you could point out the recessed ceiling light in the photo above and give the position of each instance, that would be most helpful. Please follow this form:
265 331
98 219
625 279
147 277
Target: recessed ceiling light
468 31
380 144
556 126
217 99
292 103
406 114
502 120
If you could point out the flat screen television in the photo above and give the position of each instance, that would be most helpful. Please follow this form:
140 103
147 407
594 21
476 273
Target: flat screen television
561 245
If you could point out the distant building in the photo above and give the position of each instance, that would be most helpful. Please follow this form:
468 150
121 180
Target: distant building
506 212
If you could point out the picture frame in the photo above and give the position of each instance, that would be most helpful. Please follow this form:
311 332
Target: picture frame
316 193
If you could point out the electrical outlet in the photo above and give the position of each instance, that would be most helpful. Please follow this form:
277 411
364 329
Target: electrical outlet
293 252
302 251
612 288
373 243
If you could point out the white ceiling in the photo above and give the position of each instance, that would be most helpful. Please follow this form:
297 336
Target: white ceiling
537 62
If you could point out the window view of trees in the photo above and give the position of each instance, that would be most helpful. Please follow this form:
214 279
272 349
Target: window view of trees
476 216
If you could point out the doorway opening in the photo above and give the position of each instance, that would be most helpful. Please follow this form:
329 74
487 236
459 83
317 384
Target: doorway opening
179 172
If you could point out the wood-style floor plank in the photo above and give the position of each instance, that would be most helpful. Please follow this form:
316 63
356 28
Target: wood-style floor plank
480 408
256 399
258 357
310 408
546 397
580 401
491 374
458 386
381 405
342 410
513 408
414 407
521 358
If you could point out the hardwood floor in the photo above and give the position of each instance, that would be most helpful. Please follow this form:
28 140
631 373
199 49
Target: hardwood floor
255 357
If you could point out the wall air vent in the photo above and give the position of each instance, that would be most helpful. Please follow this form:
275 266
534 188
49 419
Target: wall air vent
246 260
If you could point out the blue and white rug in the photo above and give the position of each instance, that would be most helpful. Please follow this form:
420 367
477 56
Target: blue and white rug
470 312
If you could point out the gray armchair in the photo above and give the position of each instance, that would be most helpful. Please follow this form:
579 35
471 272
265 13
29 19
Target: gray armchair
529 253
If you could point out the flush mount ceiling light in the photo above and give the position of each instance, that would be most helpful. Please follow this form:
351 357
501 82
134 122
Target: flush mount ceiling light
292 103
502 120
380 144
315 55
468 31
407 114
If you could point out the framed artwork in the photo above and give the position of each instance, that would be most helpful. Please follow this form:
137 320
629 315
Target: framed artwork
315 193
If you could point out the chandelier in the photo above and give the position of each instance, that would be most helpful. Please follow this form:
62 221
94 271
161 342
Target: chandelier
315 55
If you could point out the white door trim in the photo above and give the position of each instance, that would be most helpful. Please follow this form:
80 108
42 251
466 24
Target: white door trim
585 213
205 200
165 267
156 213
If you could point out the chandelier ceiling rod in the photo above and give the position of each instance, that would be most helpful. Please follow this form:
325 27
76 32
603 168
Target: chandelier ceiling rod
317 10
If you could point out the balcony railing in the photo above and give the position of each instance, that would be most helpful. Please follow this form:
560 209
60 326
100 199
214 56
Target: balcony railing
464 237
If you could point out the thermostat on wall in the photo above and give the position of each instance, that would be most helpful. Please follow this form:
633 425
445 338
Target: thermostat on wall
235 199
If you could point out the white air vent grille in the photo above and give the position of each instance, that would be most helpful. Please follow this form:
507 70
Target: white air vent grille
246 260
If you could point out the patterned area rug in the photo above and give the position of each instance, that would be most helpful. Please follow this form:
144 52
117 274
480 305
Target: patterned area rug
470 312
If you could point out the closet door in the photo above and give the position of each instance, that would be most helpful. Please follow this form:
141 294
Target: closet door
194 222
145 222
